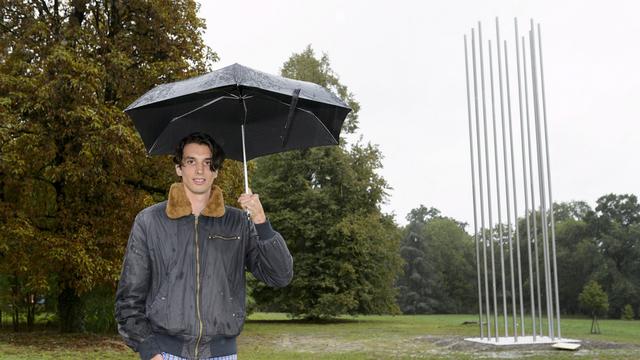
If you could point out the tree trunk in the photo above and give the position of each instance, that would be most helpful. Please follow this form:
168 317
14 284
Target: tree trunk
16 319
595 327
31 311
70 311
15 292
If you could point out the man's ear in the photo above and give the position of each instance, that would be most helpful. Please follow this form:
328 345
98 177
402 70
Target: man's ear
178 170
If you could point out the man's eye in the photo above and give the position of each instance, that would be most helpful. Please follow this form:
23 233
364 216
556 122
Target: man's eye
190 162
208 163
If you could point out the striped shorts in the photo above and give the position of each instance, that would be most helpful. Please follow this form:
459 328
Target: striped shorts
166 356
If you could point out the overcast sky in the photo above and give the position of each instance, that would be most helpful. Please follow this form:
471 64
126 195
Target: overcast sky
404 62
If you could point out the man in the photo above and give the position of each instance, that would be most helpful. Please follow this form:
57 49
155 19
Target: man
182 289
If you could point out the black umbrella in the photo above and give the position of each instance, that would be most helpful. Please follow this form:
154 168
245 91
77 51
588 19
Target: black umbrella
248 112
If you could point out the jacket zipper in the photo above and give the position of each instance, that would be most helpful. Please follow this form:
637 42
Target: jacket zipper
198 289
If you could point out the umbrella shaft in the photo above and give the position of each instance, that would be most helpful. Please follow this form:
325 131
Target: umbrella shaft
244 163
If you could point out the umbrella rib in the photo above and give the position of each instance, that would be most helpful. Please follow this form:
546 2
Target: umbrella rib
272 98
204 106
324 127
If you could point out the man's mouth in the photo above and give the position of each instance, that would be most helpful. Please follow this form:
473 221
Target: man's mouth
199 181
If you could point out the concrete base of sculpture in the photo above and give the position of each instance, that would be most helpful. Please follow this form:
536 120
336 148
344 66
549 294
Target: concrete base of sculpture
521 340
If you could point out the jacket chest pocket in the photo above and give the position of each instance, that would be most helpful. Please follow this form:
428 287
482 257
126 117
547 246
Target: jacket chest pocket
224 245
225 257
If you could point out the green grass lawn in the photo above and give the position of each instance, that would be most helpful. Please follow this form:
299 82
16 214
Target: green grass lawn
274 336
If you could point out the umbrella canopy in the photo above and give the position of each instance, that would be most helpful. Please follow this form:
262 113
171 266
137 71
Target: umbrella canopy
275 114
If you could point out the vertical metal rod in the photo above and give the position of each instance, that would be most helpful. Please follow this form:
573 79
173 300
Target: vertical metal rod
480 185
473 186
533 198
515 207
545 229
526 195
496 165
553 226
488 174
506 183
541 183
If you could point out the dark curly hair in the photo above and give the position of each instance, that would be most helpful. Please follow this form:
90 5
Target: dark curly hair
202 139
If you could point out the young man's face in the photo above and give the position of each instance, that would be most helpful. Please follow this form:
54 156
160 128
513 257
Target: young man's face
196 170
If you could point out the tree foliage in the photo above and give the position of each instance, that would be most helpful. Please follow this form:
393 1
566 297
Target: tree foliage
599 244
628 313
602 244
571 210
73 171
593 299
577 258
615 229
326 203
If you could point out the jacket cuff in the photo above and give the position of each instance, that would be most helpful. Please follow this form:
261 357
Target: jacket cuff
265 231
149 348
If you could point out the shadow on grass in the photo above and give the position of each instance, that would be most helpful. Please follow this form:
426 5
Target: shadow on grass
53 339
308 321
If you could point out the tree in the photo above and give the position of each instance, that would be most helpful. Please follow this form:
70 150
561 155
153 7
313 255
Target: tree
615 227
73 171
627 313
452 253
594 301
439 270
326 203
417 285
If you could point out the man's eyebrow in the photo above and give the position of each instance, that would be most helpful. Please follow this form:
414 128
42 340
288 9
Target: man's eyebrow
193 157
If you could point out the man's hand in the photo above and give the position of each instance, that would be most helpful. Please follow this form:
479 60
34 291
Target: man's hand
251 203
157 357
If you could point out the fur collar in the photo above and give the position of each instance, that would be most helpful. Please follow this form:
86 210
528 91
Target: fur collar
178 204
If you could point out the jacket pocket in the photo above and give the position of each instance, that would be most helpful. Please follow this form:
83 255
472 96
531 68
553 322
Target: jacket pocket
156 311
161 296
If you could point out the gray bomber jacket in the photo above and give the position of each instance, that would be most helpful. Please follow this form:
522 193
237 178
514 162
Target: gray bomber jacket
182 287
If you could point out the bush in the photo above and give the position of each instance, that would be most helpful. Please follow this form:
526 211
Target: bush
627 313
99 311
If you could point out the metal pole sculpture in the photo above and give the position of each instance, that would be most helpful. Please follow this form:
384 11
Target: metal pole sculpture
498 153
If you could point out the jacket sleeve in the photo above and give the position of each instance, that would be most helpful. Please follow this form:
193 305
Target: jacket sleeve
133 287
267 255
